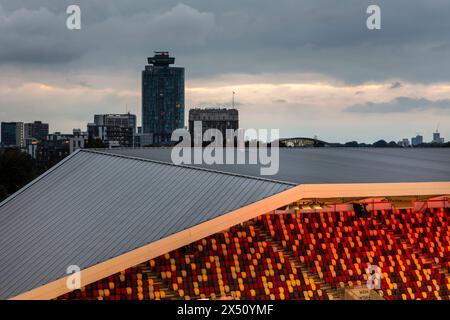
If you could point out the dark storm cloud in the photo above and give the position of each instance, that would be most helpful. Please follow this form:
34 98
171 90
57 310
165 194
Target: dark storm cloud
400 105
246 36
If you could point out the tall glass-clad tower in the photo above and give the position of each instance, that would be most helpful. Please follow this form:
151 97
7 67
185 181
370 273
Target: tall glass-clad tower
162 97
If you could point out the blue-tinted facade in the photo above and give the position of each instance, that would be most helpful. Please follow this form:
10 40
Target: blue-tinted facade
12 134
162 97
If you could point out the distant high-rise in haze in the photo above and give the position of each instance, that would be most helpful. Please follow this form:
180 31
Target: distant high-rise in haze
162 97
437 138
417 140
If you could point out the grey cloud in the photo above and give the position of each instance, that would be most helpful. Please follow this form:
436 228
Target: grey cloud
82 83
216 104
216 37
35 36
184 24
40 36
400 105
396 85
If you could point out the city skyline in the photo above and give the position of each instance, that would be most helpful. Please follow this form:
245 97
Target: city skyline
34 131
428 137
319 72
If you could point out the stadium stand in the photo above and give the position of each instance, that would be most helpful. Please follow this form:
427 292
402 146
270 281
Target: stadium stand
339 248
298 256
139 228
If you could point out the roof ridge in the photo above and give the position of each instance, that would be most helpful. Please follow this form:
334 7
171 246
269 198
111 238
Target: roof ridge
188 166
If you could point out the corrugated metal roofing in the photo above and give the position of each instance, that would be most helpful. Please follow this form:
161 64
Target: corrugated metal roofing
94 206
338 165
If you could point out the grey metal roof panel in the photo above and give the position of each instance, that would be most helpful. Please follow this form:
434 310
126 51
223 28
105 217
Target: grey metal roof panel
337 165
95 206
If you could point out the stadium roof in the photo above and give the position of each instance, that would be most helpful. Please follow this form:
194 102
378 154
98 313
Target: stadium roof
337 165
93 207
106 212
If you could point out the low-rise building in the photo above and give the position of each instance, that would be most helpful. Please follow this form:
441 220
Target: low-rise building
214 118
115 130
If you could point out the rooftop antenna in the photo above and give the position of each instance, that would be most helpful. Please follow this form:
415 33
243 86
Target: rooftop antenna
437 128
232 100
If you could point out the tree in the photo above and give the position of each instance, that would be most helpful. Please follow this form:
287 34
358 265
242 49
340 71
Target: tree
94 143
380 144
393 144
3 193
16 170
352 144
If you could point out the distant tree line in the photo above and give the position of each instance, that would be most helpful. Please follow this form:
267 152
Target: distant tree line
17 168
377 144
385 144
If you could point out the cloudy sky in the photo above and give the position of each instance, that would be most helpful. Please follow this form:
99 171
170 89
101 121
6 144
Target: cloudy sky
306 67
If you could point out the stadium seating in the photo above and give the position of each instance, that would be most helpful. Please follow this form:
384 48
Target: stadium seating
340 248
411 250
127 285
236 263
